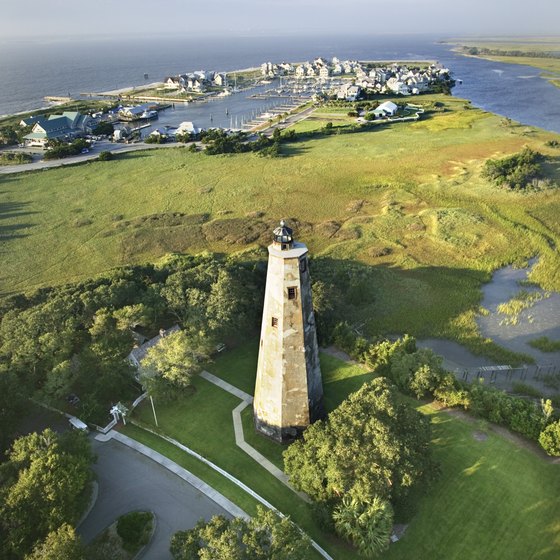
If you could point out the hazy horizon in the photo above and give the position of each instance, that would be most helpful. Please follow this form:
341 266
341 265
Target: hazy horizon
29 19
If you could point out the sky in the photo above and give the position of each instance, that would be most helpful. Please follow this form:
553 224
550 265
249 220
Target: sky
59 18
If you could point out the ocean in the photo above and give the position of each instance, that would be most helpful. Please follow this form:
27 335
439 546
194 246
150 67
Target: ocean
33 69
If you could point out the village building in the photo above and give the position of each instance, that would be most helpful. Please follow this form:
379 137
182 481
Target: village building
386 109
139 352
67 126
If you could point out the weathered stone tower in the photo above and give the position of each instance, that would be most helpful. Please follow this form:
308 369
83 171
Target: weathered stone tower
288 392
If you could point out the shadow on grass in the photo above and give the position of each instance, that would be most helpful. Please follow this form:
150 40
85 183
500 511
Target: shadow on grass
13 210
293 149
136 154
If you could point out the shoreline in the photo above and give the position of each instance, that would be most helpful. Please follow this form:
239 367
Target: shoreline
544 73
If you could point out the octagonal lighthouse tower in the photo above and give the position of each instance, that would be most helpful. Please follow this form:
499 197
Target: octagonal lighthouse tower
289 391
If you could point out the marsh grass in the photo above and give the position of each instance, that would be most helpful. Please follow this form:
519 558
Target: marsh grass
406 202
520 302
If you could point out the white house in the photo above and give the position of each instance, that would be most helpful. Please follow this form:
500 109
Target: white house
220 80
188 127
348 92
395 85
386 109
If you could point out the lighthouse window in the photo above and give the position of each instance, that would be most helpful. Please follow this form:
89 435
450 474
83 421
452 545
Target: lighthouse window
292 293
303 265
274 321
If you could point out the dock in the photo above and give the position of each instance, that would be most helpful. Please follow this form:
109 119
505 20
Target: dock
58 99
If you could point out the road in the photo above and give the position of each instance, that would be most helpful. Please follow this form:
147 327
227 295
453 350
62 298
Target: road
129 481
94 152
288 121
117 148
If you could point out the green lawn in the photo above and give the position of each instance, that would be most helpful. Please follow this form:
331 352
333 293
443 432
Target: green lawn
493 499
203 422
404 201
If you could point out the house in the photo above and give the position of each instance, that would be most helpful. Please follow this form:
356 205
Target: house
172 82
194 84
139 353
30 121
66 126
348 92
366 83
337 69
220 80
386 109
397 86
300 71
324 72
188 127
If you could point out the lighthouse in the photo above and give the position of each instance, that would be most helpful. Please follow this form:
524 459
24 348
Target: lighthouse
288 391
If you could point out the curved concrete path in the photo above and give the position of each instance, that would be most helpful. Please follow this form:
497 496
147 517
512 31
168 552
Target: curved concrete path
133 477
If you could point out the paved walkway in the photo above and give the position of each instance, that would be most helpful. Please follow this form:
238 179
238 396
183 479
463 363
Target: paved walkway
240 437
132 478
231 478
187 476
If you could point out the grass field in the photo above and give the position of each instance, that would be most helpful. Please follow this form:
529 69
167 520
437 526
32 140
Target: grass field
406 201
492 500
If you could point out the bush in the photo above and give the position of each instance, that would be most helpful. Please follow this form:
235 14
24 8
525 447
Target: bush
58 150
515 172
134 529
550 439
105 156
15 158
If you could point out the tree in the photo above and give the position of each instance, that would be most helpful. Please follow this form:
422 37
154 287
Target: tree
108 340
62 544
46 486
176 358
12 404
367 524
264 537
104 128
371 446
60 380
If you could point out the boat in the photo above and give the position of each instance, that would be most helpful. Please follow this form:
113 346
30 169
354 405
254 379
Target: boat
149 115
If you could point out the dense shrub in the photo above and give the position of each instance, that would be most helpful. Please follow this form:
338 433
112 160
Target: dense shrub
14 158
104 128
58 150
518 171
105 156
550 439
371 450
134 529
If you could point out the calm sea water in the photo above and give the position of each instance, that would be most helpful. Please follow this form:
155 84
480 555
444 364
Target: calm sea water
30 70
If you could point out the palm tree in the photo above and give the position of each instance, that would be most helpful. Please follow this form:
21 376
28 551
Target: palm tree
365 523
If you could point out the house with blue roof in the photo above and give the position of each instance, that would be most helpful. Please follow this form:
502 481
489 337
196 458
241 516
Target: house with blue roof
65 127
